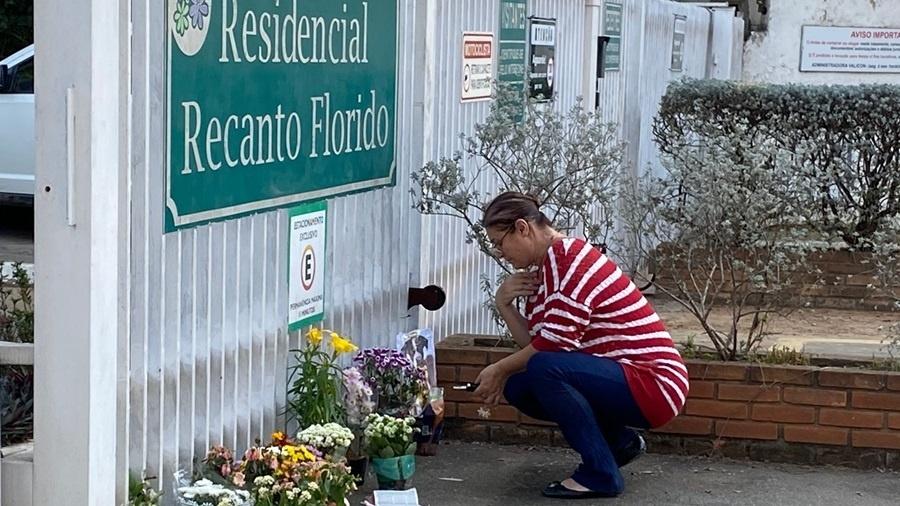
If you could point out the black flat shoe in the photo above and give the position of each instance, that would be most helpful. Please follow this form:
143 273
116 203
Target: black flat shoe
634 450
556 490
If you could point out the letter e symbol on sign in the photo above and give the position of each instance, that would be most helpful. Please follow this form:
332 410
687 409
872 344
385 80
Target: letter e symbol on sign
308 267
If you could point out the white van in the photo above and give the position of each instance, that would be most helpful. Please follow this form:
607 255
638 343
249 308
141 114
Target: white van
17 126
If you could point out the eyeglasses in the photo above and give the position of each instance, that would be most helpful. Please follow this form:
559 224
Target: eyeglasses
497 246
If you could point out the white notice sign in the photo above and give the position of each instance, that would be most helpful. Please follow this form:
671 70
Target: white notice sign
306 265
478 66
849 49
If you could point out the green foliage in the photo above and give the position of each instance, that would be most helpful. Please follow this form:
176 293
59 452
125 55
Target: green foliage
140 493
388 437
570 161
16 382
16 306
841 144
781 355
16 404
314 395
757 177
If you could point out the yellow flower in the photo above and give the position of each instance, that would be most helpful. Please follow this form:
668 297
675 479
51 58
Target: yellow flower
342 345
297 453
315 336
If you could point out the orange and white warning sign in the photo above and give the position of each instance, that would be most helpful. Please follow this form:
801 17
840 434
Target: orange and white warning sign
478 66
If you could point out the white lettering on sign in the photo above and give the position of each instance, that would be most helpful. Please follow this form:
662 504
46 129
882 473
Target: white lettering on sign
268 37
249 140
513 16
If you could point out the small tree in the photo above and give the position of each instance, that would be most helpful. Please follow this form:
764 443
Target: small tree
719 226
571 162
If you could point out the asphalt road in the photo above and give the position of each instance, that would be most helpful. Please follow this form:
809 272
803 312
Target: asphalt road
472 474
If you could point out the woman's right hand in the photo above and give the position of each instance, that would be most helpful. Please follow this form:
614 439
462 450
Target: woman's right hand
520 284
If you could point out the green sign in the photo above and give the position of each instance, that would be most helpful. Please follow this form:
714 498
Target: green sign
612 27
513 43
274 102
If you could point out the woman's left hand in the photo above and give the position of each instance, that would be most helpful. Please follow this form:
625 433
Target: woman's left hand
491 382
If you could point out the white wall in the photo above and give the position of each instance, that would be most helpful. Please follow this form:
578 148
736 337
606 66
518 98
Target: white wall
774 56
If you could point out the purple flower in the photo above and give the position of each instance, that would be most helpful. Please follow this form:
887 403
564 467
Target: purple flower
199 10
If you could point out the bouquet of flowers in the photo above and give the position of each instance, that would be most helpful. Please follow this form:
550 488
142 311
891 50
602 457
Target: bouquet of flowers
399 386
358 398
390 442
206 493
331 439
358 404
315 381
287 472
218 466
388 437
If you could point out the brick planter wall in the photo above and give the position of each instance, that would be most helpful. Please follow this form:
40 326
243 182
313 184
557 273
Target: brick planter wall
807 415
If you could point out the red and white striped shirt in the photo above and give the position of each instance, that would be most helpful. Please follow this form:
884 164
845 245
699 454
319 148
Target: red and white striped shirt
587 304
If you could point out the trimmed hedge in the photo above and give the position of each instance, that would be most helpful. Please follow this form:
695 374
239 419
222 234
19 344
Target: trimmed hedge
843 143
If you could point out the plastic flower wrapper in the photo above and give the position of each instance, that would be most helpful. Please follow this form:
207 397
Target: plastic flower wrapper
331 439
399 386
358 398
204 492
286 472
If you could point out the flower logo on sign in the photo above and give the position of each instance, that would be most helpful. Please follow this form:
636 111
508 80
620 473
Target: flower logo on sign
189 20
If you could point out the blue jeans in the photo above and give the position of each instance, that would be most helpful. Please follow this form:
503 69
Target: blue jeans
588 397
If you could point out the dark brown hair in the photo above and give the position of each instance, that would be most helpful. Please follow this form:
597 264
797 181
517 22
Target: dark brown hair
508 207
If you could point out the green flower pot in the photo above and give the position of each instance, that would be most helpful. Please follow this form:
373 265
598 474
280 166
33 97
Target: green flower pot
393 473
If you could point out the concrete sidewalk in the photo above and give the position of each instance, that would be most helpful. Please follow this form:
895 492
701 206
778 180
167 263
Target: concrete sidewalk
511 475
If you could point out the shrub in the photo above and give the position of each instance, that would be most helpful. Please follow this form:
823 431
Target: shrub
840 144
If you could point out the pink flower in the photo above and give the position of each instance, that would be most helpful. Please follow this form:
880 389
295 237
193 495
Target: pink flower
225 470
238 479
